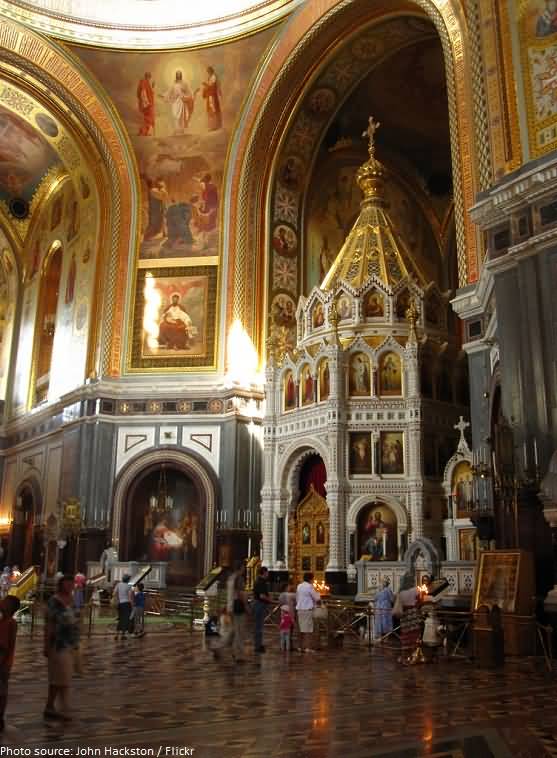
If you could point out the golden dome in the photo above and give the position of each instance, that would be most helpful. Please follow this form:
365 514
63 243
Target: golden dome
372 247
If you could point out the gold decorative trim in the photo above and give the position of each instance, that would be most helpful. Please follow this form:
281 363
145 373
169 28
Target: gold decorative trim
504 132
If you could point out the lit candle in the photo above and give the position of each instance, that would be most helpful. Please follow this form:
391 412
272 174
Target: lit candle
384 543
249 547
536 452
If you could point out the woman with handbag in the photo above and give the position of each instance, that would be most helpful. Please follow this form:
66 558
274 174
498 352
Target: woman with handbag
306 600
409 599
237 609
122 600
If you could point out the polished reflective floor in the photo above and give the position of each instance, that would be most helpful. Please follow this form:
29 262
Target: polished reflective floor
164 693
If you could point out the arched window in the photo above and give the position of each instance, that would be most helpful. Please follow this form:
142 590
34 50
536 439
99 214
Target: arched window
45 325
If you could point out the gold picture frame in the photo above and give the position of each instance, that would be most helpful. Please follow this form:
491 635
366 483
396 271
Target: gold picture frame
192 289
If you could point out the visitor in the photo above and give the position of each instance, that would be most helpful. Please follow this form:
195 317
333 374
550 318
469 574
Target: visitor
122 598
285 627
139 611
8 631
307 598
262 600
237 608
61 639
5 581
288 597
95 604
384 601
408 602
79 591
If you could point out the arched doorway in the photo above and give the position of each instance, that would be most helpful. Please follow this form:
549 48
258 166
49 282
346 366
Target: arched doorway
377 531
164 520
25 547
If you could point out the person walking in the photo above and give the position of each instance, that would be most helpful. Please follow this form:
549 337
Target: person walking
306 599
8 632
139 611
237 608
61 639
123 597
383 619
285 627
262 600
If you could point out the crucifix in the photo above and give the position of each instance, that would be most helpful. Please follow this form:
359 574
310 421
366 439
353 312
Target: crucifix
461 426
372 127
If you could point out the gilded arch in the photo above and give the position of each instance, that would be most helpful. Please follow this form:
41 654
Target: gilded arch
309 36
51 66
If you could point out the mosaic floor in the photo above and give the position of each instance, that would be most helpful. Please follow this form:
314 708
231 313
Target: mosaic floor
165 693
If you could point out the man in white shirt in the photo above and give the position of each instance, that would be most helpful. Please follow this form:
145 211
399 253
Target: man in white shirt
306 600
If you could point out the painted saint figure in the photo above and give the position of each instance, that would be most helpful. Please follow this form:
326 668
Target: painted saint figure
546 23
384 601
307 397
146 104
70 284
206 217
360 376
175 328
180 97
211 93
289 392
157 204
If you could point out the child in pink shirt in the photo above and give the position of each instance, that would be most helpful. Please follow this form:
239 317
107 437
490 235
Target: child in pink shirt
285 627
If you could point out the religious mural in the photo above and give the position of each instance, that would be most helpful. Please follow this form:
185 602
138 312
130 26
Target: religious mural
25 157
306 387
177 325
390 375
165 523
374 305
377 533
467 544
180 109
324 380
538 46
391 447
360 454
359 377
289 388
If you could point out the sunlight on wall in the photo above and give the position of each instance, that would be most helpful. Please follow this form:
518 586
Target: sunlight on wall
151 312
243 361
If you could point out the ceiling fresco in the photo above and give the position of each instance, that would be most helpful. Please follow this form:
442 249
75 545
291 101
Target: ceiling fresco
26 157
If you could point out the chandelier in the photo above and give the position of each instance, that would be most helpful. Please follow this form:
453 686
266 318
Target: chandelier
161 501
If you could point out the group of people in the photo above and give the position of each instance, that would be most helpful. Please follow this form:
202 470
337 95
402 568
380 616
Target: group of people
407 607
294 605
8 577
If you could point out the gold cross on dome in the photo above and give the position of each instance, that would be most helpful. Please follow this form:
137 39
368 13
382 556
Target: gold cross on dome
372 127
